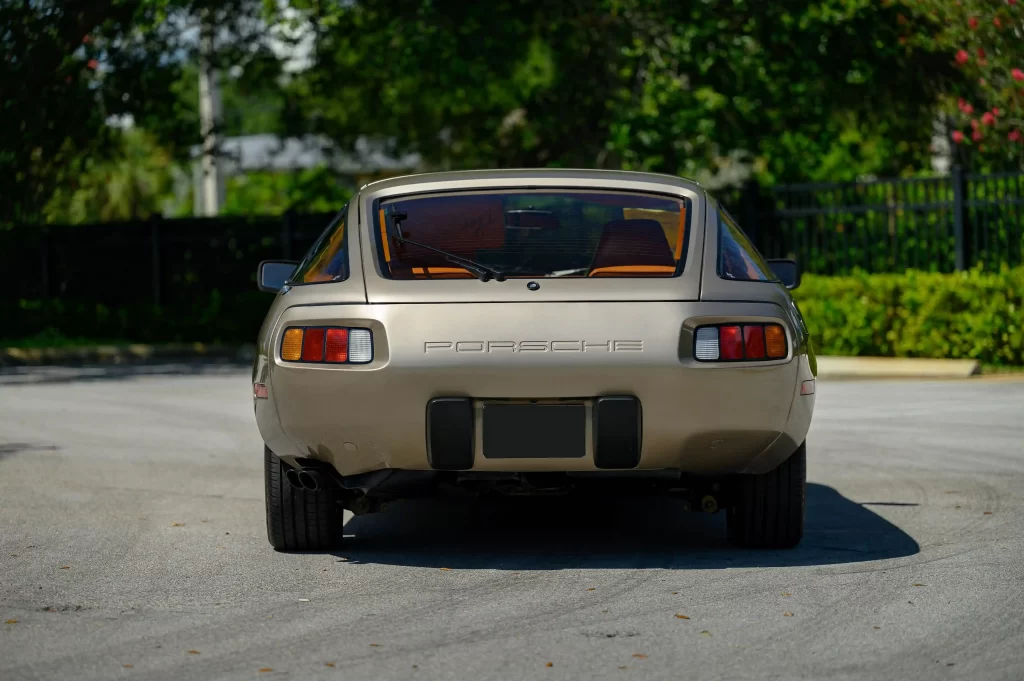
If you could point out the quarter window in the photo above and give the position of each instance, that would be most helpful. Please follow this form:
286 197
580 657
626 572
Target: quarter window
737 258
328 259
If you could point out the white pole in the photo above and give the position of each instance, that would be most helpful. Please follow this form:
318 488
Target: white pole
209 121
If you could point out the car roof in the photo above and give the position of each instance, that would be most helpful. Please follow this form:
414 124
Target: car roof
520 174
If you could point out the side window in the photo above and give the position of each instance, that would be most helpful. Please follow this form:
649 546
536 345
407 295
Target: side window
737 258
328 259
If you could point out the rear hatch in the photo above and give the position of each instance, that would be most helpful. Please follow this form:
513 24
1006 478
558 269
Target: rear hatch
531 244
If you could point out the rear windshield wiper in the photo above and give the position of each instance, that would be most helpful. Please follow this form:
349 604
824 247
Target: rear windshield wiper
482 272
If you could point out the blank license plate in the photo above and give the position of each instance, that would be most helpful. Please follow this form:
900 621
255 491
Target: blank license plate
535 431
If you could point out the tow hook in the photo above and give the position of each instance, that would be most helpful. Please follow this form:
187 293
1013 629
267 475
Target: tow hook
709 504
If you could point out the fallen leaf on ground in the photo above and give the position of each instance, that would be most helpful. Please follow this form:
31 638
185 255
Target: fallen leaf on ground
204 521
988 513
675 593
193 652
950 491
220 547
11 622
681 617
177 524
303 600
128 666
550 664
876 627
63 567
444 568
375 645
266 669
640 656
340 560
328 664
592 588
958 505
786 594
623 667
950 664
705 633
919 585
787 614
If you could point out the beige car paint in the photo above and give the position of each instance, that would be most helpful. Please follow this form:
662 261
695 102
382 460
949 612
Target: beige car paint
574 338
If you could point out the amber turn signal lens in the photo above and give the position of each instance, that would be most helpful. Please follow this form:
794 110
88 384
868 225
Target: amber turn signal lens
775 340
291 345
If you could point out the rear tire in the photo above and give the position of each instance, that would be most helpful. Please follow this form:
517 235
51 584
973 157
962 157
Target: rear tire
768 510
298 519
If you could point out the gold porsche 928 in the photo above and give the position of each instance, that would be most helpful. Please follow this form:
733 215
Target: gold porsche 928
533 332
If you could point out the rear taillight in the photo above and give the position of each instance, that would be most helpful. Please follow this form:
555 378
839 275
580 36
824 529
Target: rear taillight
740 343
327 345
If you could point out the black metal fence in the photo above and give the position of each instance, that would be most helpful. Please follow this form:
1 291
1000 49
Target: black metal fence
165 262
939 224
935 224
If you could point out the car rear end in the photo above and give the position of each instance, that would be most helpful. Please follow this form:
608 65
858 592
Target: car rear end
477 326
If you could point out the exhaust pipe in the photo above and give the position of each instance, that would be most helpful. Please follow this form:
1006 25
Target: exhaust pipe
292 476
310 479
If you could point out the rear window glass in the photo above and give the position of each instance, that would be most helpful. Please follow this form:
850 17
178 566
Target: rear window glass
737 257
533 234
327 260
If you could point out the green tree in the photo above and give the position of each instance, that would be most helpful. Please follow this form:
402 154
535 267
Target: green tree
985 108
133 182
70 65
788 90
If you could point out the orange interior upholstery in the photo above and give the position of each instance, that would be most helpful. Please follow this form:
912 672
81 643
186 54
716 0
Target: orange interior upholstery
634 270
632 243
441 273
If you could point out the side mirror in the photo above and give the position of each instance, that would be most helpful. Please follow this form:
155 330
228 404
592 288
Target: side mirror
272 275
787 272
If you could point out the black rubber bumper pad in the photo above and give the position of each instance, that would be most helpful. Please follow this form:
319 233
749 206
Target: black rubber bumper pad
450 433
618 432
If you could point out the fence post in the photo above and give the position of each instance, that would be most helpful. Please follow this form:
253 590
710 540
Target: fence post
44 253
751 199
286 235
960 228
154 240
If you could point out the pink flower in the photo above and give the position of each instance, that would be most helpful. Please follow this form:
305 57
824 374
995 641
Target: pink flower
1014 136
996 111
988 118
982 81
92 64
974 123
972 22
996 22
1011 2
958 136
1017 74
962 57
981 53
976 135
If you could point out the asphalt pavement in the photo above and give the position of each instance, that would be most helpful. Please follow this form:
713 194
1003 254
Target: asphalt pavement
133 545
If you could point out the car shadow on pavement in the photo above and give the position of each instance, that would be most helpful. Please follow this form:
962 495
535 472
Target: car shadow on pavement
587 533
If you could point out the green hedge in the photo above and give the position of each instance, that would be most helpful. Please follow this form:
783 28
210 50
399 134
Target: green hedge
975 315
966 315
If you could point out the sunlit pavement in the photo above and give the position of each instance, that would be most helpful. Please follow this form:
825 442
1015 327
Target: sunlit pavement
132 543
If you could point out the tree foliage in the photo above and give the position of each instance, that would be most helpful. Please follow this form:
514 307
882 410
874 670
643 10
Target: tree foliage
71 65
789 90
984 108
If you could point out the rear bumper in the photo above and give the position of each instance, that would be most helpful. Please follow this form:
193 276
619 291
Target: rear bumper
701 418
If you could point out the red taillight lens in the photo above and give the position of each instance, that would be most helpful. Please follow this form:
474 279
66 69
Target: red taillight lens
730 342
753 342
313 345
337 345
